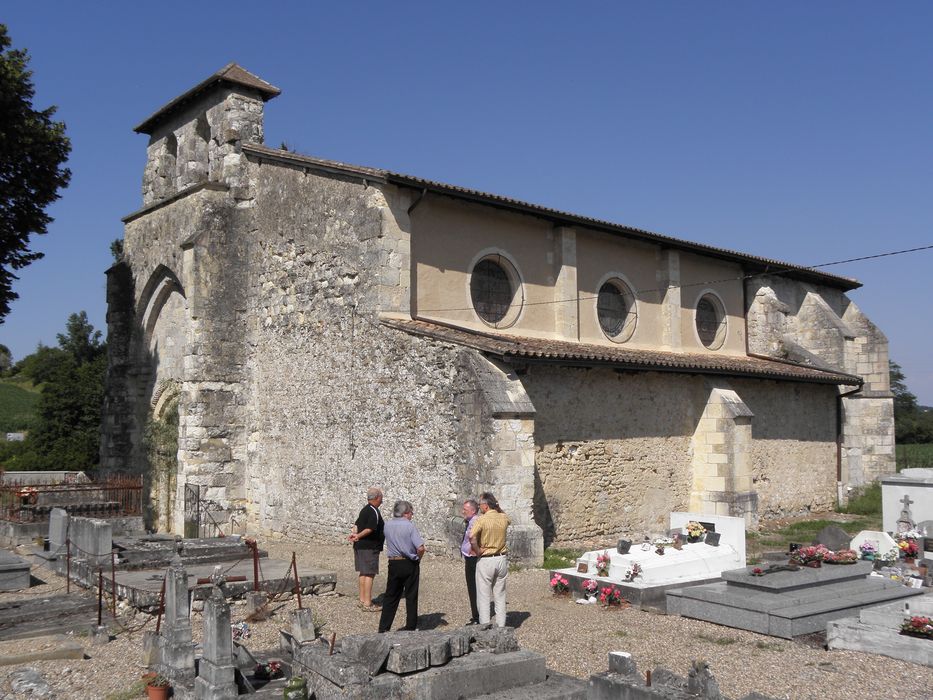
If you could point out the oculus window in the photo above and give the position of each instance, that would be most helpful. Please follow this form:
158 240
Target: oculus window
711 321
493 287
615 309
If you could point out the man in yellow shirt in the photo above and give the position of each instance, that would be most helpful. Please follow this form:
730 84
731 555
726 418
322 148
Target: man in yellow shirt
488 538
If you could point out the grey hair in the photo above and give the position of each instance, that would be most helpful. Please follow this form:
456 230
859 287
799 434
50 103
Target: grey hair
401 508
472 503
372 493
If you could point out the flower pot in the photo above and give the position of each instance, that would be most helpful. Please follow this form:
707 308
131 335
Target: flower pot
868 557
691 540
158 692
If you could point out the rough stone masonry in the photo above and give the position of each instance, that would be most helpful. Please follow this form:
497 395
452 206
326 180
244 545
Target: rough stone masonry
309 325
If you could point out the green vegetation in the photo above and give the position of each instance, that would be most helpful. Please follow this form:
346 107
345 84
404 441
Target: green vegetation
560 558
33 149
18 402
65 430
912 425
914 455
137 690
865 501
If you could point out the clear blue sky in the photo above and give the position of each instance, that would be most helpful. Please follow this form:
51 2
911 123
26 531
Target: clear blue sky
800 131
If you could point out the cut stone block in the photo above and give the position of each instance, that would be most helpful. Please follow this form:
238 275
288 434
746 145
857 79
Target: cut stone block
302 625
407 657
335 668
370 650
477 674
496 639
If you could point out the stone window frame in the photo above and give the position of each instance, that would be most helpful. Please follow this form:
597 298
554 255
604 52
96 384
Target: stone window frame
512 271
622 283
719 306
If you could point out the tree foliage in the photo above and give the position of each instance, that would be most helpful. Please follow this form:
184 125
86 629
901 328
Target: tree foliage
911 423
67 428
33 149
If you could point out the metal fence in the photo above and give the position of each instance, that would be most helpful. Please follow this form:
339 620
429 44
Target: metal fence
110 496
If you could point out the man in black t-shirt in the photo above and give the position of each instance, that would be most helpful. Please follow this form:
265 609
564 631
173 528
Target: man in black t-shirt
367 539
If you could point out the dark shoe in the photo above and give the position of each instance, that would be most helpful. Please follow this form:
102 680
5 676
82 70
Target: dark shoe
472 622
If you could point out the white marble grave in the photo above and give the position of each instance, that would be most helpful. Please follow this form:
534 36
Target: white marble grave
917 484
696 561
883 542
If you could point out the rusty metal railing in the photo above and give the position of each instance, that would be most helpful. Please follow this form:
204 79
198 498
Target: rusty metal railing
111 496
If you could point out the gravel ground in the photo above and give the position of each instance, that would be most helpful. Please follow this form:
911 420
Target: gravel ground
575 639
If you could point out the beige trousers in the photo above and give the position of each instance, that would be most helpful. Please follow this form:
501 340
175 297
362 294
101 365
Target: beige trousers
491 573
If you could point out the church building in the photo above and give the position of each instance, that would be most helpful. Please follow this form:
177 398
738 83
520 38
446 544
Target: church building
286 331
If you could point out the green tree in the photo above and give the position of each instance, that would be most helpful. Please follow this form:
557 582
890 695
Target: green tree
911 425
67 430
33 149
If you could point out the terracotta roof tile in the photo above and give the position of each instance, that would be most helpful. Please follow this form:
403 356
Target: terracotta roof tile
511 348
753 263
231 73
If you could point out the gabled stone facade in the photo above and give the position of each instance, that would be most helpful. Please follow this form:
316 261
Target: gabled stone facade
314 324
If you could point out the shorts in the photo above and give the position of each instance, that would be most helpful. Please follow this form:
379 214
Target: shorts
366 561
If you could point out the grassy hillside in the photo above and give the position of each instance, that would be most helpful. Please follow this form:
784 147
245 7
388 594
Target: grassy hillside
17 405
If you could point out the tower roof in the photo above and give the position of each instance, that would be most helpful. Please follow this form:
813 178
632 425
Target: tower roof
230 74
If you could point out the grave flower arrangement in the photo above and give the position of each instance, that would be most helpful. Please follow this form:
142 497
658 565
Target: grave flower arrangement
660 543
610 596
240 631
602 564
268 671
633 573
812 555
908 546
590 587
868 550
695 531
918 626
757 571
842 556
890 556
559 584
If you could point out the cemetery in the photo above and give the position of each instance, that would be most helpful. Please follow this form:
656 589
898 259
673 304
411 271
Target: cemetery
868 593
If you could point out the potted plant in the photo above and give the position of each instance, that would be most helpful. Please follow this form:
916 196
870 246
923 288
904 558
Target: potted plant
602 564
559 584
868 550
909 549
590 589
158 687
917 626
610 596
268 671
695 531
633 573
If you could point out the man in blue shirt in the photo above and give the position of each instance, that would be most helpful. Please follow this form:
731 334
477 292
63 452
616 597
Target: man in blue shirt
404 549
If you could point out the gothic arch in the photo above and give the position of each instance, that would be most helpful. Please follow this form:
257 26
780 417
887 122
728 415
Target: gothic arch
162 282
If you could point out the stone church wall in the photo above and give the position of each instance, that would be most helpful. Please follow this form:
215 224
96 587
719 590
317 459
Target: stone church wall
614 449
339 402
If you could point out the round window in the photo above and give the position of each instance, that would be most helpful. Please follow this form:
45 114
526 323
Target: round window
491 290
710 322
614 310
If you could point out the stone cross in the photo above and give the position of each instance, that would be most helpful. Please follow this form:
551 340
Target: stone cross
905 522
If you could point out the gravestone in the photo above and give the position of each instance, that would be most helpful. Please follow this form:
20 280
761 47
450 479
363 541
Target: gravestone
176 650
833 537
917 485
883 542
624 546
216 673
905 523
58 531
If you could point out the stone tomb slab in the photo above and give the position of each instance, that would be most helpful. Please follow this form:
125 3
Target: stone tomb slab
876 630
14 572
693 564
788 603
